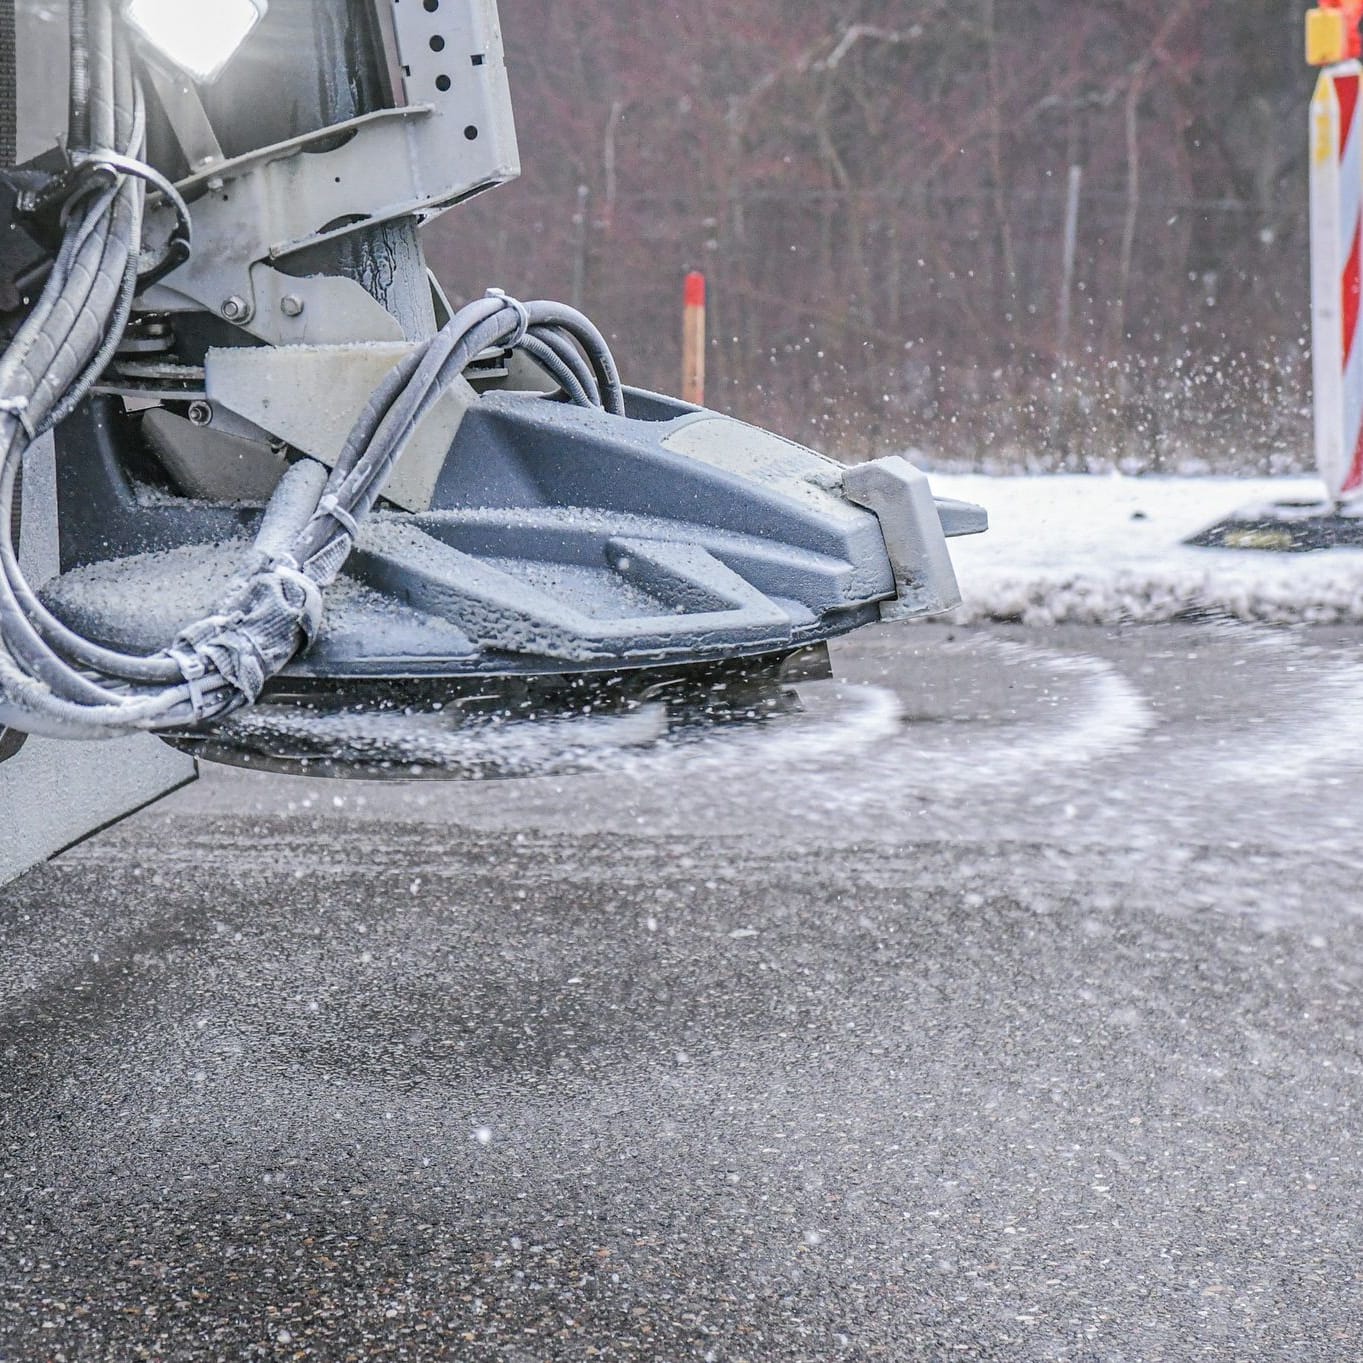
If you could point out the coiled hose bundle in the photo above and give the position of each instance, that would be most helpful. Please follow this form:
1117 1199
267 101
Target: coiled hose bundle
54 682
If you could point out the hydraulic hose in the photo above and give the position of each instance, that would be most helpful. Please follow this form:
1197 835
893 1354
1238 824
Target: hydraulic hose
79 114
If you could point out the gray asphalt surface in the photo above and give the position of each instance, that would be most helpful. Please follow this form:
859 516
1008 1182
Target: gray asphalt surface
1003 1006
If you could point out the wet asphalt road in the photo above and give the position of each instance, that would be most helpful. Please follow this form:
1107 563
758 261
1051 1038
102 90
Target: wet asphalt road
1006 1005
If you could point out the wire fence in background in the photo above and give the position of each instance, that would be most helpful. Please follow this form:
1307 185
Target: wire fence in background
888 320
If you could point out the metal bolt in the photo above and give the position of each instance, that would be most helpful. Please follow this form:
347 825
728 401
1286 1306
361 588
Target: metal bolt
236 309
291 305
200 413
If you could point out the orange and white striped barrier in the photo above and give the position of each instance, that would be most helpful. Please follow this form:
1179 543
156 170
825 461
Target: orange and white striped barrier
1333 42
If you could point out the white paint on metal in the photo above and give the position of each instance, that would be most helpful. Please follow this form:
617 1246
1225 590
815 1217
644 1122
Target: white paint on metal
453 139
1336 217
53 793
42 37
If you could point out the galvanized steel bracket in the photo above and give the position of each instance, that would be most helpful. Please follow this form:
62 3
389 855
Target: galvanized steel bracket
455 139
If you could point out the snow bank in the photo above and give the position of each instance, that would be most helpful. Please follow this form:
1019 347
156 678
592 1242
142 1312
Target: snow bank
1104 550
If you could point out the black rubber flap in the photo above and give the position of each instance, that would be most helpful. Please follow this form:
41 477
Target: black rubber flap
1284 528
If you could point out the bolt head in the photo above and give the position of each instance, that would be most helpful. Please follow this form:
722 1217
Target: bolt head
200 413
236 309
291 306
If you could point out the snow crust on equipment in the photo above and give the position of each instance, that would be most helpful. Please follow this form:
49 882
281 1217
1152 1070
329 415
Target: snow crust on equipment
1107 550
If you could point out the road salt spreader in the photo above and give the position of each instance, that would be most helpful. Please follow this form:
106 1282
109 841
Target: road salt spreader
262 478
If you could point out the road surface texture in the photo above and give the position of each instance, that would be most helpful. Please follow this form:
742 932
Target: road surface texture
1005 1005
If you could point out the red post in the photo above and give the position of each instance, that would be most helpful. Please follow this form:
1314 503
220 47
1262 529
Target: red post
693 340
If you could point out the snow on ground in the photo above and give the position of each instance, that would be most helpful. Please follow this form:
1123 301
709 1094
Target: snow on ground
1102 550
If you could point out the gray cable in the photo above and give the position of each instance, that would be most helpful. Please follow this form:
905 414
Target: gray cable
569 355
585 333
558 369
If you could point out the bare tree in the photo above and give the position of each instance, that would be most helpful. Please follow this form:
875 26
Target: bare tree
881 192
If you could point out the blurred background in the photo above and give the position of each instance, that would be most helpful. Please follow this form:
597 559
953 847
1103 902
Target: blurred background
1007 234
